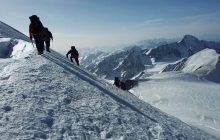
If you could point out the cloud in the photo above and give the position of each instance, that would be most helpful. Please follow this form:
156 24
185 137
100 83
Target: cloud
199 17
151 21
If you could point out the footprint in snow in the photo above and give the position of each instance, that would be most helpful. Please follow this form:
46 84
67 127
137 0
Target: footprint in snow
5 77
7 108
48 121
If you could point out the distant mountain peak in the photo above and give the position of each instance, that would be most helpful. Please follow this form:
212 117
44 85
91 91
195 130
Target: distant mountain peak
136 49
189 38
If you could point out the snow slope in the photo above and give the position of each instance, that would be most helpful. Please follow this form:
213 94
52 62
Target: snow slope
7 31
205 64
192 99
47 97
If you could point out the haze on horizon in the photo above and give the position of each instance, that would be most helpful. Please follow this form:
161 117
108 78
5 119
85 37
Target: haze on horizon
99 23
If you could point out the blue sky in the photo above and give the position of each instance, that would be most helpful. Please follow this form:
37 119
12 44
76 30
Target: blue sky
103 23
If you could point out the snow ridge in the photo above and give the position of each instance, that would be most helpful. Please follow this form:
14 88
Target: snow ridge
7 31
53 99
93 82
47 97
112 95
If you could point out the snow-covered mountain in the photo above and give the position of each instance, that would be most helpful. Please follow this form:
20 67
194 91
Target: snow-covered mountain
186 47
177 81
87 59
48 97
205 63
122 64
127 66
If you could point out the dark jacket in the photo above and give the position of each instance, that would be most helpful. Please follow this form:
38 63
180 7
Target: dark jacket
120 84
36 35
47 35
74 53
36 28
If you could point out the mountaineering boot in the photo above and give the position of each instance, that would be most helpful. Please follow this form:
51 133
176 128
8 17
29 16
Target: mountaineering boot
40 52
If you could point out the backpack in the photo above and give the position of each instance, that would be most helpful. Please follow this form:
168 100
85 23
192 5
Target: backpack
37 26
47 34
74 53
123 85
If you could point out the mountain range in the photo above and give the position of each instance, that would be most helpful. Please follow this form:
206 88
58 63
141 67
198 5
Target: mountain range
180 78
48 97
127 64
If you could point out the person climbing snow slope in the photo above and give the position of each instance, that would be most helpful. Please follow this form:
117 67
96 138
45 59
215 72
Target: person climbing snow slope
36 31
74 54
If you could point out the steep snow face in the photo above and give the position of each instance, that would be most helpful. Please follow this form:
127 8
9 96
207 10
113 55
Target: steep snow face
205 63
122 64
188 46
7 31
47 97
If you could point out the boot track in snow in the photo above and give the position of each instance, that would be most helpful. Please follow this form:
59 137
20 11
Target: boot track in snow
69 66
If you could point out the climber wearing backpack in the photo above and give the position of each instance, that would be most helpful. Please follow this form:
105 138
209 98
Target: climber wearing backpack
74 54
47 37
120 84
117 82
36 31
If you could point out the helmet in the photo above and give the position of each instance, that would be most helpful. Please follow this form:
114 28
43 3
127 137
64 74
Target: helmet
72 47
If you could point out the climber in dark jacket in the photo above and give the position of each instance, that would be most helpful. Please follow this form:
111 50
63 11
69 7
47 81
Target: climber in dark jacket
47 37
74 54
117 82
120 84
36 31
